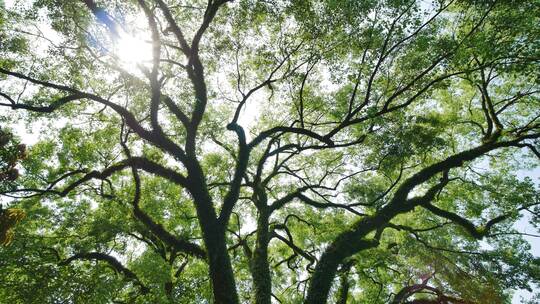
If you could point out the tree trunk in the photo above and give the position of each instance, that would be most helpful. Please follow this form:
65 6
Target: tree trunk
260 269
344 246
221 272
322 278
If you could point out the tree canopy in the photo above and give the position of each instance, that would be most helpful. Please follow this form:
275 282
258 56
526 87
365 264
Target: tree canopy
276 151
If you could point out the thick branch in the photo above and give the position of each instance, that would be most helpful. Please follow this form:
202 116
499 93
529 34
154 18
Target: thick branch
112 261
177 243
476 232
241 166
136 162
160 141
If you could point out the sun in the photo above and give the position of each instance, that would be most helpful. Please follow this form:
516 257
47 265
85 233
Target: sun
132 50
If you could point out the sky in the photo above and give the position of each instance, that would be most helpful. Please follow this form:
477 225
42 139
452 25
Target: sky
523 226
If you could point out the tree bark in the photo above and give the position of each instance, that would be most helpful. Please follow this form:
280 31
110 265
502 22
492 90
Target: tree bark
221 272
260 268
345 245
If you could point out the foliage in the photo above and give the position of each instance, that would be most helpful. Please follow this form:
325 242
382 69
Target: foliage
289 151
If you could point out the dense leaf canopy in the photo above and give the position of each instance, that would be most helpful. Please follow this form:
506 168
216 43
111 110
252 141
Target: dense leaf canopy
276 151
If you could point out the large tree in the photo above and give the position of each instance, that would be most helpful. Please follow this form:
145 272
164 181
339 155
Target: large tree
287 151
